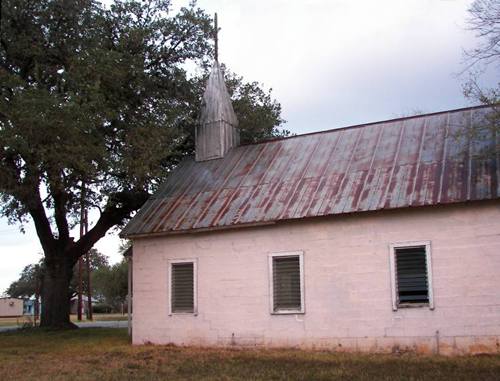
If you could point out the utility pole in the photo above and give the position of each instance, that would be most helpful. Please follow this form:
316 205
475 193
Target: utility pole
80 260
80 287
87 259
36 311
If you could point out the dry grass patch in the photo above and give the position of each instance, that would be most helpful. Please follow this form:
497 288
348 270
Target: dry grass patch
105 354
28 320
19 321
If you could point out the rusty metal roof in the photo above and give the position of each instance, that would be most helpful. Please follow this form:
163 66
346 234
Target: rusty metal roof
423 160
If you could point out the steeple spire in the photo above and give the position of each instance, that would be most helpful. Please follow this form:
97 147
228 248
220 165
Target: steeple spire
217 130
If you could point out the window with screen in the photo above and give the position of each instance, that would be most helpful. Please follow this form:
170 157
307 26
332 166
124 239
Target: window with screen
182 287
287 283
411 275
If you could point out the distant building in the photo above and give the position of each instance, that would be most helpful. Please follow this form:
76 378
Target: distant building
29 307
85 304
16 307
378 237
11 307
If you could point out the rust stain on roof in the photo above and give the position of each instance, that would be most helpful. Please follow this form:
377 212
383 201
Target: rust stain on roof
423 160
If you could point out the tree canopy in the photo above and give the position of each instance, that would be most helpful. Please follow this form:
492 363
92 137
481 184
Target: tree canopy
110 284
30 282
96 107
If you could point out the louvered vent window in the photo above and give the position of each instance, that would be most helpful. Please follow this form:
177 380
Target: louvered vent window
182 287
287 283
411 275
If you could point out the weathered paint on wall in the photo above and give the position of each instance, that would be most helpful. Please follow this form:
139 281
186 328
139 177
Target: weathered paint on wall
11 307
347 283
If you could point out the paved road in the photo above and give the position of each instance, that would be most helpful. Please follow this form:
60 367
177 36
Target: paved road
93 324
104 324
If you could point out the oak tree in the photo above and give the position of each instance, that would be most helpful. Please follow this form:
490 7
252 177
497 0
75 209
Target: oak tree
96 107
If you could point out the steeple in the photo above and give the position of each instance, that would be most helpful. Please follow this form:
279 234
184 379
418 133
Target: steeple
217 130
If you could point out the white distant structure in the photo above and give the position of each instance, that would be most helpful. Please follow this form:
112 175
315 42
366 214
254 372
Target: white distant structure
11 307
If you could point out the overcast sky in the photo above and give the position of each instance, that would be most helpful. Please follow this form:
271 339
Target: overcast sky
330 63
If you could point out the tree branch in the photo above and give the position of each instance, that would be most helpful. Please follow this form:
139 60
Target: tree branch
119 208
42 224
60 200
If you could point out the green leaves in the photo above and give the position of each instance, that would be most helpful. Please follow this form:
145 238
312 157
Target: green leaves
28 284
101 96
93 95
110 284
99 99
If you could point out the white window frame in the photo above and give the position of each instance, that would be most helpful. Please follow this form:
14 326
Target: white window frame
392 261
302 310
171 262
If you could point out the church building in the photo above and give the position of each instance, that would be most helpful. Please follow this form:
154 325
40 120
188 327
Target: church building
379 237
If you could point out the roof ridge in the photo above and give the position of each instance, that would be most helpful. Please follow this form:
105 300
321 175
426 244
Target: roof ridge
365 124
400 163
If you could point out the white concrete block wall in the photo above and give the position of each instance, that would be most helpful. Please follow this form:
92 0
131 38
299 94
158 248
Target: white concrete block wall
347 283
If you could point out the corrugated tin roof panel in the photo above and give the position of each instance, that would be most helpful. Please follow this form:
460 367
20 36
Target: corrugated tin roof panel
423 160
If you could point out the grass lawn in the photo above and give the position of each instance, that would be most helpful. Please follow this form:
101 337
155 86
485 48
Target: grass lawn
105 354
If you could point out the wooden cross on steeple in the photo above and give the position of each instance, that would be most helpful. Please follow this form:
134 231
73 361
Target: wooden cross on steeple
216 39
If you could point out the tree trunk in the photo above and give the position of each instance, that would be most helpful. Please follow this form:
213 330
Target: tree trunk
55 293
